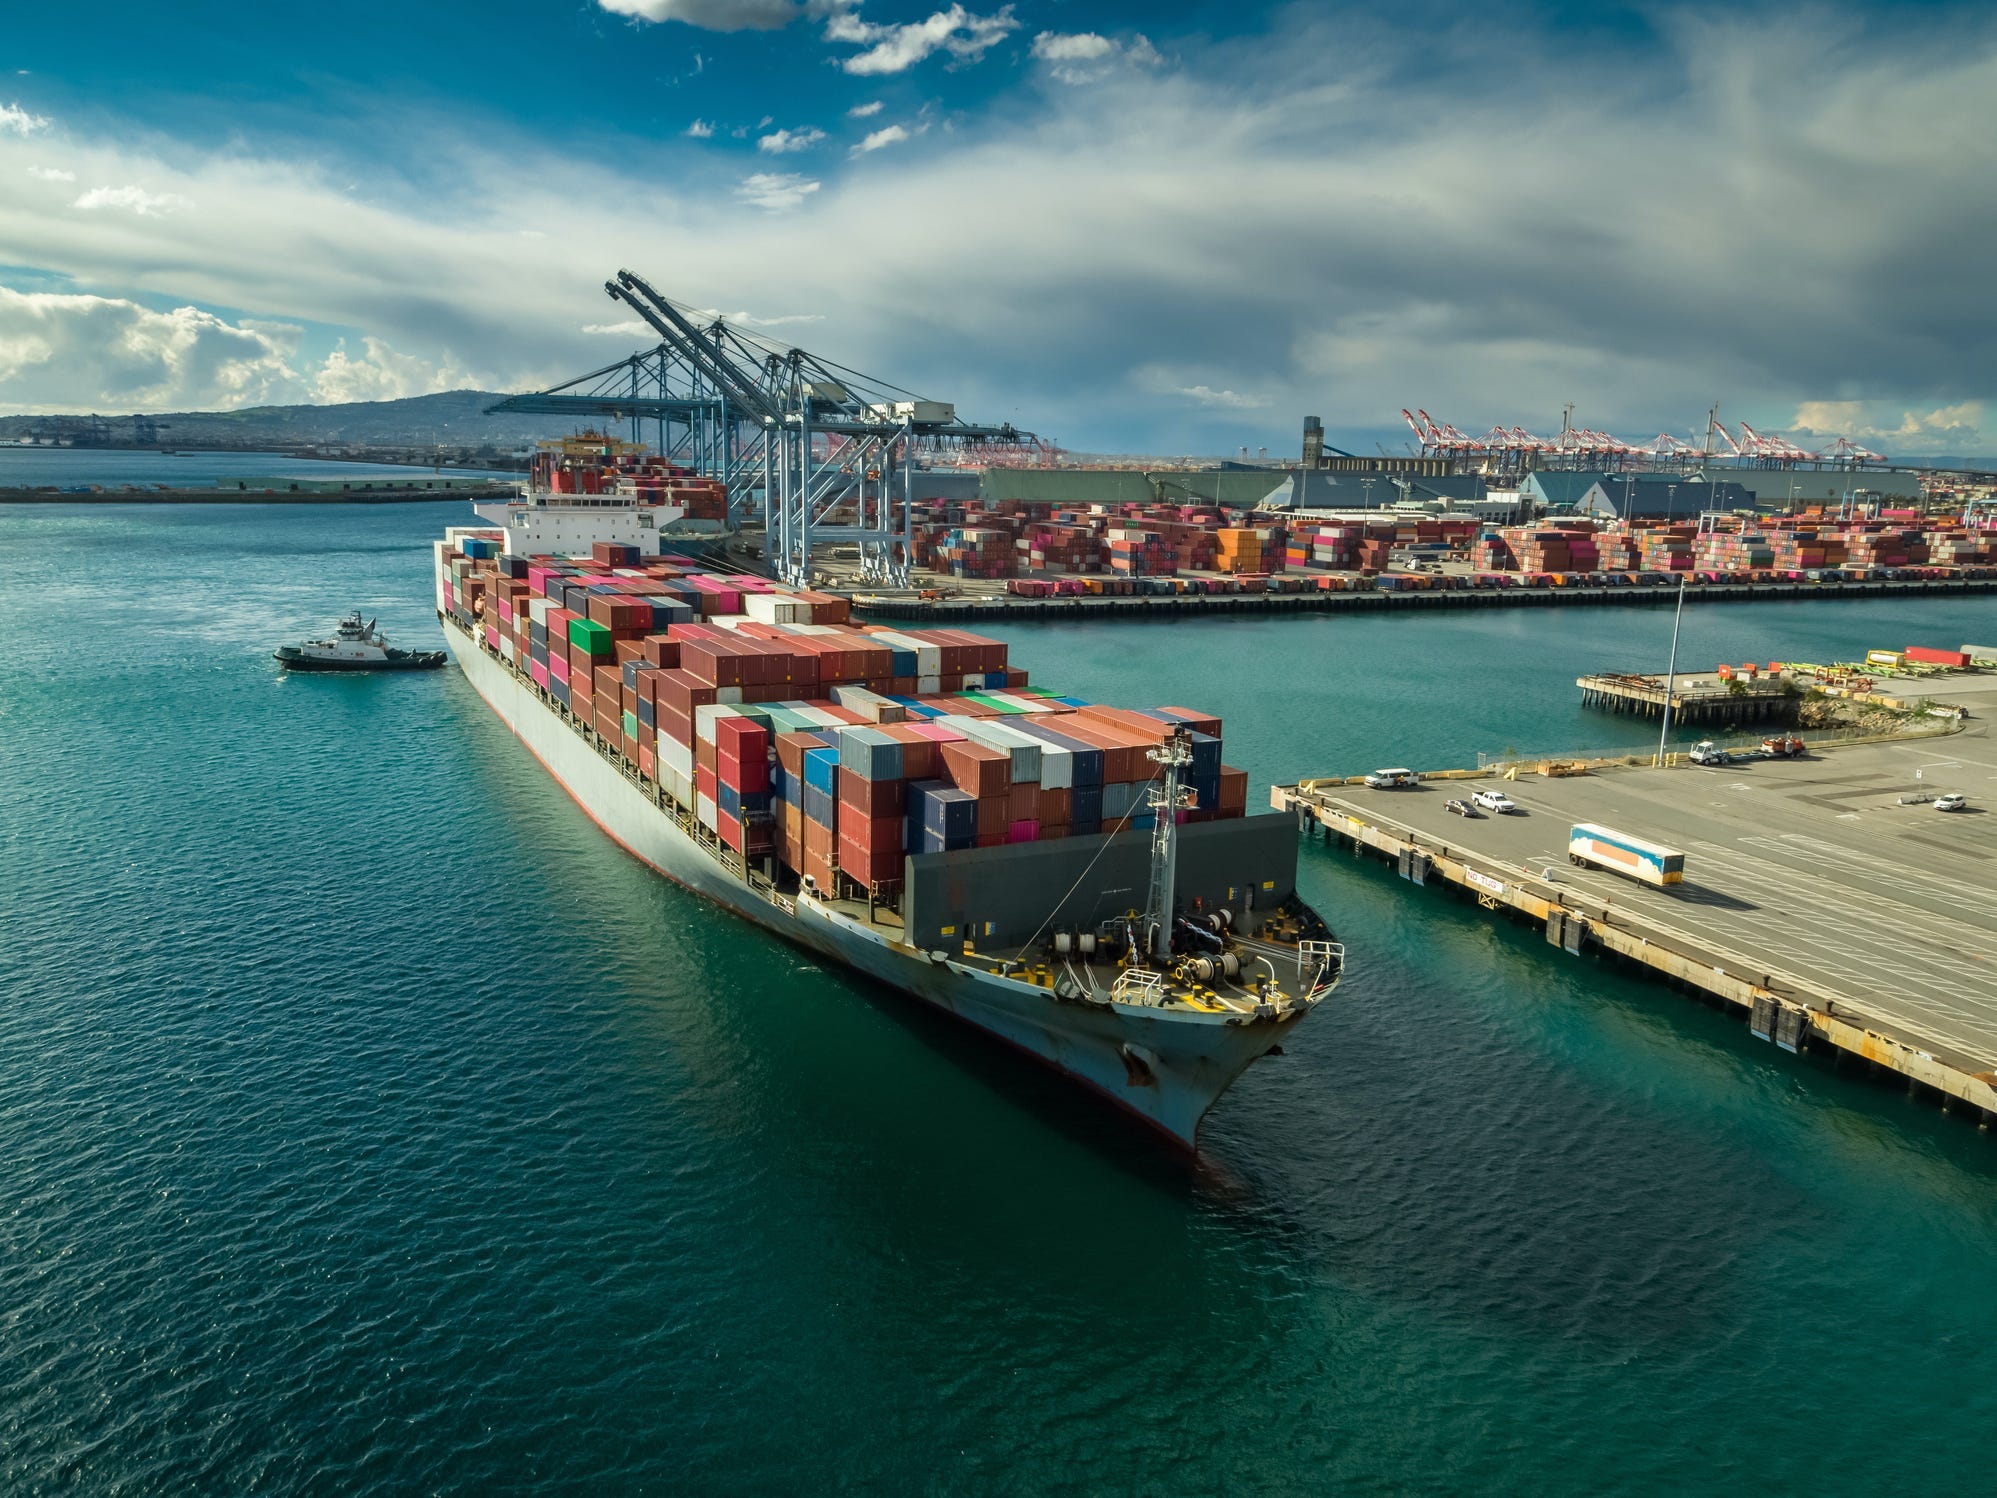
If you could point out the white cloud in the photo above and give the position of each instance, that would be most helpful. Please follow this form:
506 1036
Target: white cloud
887 135
781 142
710 15
1086 57
1714 253
892 48
700 130
51 174
1223 400
776 189
1085 46
750 319
865 111
61 351
14 120
631 329
136 199
382 374
1875 421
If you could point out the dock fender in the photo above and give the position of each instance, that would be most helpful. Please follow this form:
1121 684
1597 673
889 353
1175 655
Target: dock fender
1139 1065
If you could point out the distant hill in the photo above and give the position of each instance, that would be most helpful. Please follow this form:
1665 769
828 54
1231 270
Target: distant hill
455 418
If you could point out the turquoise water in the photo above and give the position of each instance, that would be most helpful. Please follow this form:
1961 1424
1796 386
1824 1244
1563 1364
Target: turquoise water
369 1123
30 467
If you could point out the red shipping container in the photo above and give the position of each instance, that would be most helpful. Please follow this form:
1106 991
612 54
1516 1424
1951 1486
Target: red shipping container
682 692
1022 832
1023 803
976 769
877 860
871 799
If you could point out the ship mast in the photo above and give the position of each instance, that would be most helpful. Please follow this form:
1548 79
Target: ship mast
1172 756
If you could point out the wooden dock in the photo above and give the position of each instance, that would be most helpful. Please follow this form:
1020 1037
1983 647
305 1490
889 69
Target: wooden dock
1695 696
1769 923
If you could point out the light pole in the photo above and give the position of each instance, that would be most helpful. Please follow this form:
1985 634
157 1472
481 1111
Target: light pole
1366 484
1671 671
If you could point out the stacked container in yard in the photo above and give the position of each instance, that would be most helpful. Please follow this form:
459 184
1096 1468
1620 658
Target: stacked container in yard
1668 548
1137 552
976 551
1245 549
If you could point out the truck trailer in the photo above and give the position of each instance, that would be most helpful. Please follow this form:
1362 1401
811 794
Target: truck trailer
1589 846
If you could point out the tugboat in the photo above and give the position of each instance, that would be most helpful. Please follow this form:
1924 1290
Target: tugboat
355 647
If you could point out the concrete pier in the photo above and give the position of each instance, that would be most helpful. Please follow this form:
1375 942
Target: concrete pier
1822 902
998 607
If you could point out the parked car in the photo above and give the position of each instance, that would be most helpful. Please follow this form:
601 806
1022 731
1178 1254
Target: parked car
1951 802
1461 807
1392 780
1496 801
1706 752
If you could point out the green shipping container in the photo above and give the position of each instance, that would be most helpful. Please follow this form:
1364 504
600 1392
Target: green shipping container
630 725
1006 708
591 636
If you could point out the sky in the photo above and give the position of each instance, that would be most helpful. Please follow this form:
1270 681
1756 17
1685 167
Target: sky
1162 228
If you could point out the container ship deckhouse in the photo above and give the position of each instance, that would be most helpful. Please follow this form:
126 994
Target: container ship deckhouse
1081 881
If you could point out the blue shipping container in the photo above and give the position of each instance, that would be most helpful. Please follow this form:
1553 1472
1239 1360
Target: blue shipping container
821 771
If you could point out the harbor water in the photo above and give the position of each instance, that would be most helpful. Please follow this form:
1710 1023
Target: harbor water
368 1122
36 467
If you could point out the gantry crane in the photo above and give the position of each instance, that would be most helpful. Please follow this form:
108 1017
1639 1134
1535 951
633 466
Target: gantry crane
826 453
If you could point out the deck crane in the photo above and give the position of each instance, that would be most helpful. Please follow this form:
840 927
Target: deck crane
826 452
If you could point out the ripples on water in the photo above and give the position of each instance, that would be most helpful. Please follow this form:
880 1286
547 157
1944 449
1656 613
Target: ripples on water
367 1121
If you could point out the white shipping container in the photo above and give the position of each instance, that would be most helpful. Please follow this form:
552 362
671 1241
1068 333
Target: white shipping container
675 756
870 705
929 686
537 610
678 786
775 608
704 809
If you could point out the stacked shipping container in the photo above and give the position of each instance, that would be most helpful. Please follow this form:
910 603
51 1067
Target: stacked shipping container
795 737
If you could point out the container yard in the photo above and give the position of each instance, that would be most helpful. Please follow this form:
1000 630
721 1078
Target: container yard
1008 559
1839 901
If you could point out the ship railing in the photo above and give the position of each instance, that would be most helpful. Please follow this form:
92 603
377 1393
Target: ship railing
1139 986
1317 961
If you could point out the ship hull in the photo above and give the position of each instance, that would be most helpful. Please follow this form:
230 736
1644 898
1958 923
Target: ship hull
1167 1069
425 662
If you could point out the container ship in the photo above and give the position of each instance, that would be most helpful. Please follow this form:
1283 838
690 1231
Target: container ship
1080 881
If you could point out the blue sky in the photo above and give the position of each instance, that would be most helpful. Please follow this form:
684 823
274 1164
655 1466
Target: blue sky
1162 228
